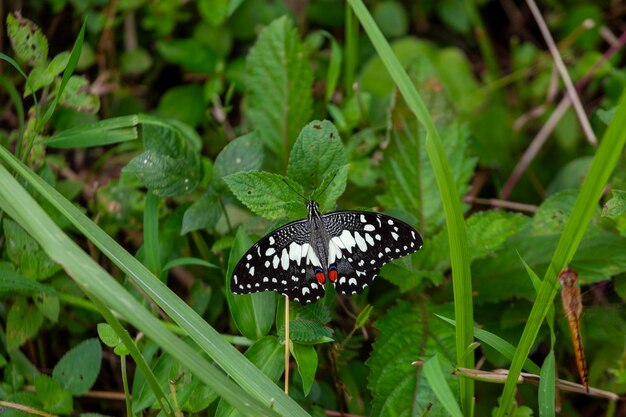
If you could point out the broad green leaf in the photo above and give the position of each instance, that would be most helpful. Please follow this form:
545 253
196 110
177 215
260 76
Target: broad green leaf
26 254
268 195
391 18
204 213
306 358
12 282
253 314
488 230
28 42
48 304
317 153
54 398
313 311
434 374
185 103
616 206
244 153
108 335
136 61
331 188
410 180
307 331
215 11
42 77
79 367
268 355
392 377
77 96
170 165
546 396
23 322
191 54
278 84
374 76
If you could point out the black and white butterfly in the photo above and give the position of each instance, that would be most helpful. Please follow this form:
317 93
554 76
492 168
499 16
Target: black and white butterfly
345 248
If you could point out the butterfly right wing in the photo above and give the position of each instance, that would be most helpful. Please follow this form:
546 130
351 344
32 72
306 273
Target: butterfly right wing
282 261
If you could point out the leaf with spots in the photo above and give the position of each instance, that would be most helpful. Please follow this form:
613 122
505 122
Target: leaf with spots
268 195
244 153
78 369
170 165
317 155
23 322
393 380
28 42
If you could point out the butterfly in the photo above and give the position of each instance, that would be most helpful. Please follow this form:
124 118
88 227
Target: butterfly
345 248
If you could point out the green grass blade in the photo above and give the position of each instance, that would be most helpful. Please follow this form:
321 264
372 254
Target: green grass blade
90 276
207 338
601 168
437 381
457 236
547 387
69 70
151 248
6 84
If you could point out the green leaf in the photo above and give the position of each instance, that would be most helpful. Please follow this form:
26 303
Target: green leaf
136 61
23 322
54 398
437 381
244 153
308 331
104 132
79 367
12 282
204 213
253 314
616 206
42 77
546 396
391 17
170 165
108 335
27 40
25 253
364 316
191 54
267 194
278 86
306 358
410 179
488 230
318 152
76 95
185 103
267 354
392 376
48 304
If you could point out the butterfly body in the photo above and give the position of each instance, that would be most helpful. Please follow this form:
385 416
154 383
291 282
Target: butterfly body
345 248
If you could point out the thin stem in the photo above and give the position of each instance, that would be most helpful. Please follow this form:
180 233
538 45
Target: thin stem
129 408
560 65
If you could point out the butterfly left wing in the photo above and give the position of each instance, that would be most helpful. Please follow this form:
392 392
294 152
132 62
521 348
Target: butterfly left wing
282 261
362 242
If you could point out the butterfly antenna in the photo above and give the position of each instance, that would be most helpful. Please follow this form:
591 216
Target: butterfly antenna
325 188
294 190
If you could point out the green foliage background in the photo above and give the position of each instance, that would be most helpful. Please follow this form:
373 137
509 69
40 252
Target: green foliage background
146 145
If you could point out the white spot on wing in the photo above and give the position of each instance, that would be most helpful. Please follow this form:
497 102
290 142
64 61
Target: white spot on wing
348 240
390 222
305 290
394 235
284 259
369 228
360 241
249 257
369 239
270 252
251 271
275 261
271 240
363 219
352 281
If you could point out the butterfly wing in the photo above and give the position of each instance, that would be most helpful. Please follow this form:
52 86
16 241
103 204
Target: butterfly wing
282 261
362 242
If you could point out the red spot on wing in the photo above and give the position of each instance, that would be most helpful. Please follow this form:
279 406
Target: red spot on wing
319 275
332 275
